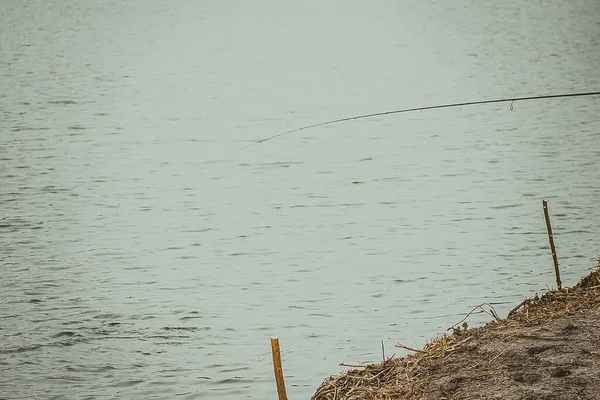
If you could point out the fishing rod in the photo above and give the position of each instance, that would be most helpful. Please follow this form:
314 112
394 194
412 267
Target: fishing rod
406 110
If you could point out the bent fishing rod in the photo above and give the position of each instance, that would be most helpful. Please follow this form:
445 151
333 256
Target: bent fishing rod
406 110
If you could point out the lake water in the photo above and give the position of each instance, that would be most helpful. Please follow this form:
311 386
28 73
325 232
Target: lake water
143 257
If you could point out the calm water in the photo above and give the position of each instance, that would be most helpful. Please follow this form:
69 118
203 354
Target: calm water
142 257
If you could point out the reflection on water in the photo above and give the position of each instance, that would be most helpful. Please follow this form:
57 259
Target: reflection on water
142 257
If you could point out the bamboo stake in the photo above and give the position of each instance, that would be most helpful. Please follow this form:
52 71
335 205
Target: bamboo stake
552 248
278 369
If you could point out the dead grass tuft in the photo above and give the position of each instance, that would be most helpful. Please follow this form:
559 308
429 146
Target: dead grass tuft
556 303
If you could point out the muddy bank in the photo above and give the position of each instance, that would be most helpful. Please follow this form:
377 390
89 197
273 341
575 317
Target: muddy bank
547 348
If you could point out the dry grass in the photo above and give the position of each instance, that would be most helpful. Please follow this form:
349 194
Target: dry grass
444 357
556 304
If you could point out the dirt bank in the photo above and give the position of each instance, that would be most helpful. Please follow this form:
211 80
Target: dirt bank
548 348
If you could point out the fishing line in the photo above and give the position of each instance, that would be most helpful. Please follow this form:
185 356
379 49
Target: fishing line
406 110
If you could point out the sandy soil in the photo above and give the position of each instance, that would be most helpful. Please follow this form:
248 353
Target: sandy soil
548 348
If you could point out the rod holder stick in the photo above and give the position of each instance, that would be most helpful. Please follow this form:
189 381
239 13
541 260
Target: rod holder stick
552 248
277 368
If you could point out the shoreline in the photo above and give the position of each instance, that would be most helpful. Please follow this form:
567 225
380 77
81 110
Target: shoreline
546 348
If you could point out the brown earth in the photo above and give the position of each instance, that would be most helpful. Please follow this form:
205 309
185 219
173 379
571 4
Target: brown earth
547 348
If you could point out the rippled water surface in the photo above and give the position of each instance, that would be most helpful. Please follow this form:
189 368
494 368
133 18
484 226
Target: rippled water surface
143 257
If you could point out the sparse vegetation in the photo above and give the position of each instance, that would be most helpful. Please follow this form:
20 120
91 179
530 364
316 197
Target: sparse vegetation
545 349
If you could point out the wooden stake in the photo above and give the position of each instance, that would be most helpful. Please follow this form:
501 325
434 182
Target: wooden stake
552 248
277 367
